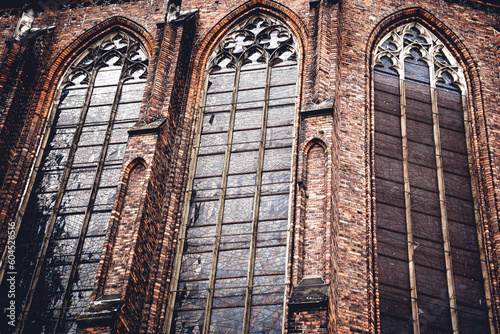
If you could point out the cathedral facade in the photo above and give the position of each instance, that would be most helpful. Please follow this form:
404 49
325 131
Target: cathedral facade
261 166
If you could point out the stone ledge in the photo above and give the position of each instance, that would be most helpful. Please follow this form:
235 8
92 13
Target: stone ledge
102 312
309 293
142 128
323 108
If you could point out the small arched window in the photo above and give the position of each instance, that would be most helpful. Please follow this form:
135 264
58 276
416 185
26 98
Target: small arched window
61 237
230 270
432 274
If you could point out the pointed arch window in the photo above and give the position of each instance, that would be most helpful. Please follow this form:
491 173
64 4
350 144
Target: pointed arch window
230 271
61 237
432 274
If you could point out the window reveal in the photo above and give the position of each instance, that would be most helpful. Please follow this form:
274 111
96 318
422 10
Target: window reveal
62 233
431 267
231 275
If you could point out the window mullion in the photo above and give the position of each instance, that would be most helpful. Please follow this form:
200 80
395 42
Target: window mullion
256 206
185 214
90 204
57 204
442 204
222 196
407 195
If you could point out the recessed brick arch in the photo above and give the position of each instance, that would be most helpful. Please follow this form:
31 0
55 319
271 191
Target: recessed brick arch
480 141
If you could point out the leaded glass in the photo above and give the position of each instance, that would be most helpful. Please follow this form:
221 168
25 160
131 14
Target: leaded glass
79 173
430 263
232 249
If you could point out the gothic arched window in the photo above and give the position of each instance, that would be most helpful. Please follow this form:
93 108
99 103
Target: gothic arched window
432 274
61 237
231 266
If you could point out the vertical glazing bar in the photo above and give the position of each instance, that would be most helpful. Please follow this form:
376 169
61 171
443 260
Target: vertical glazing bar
90 203
185 212
57 204
442 204
256 205
407 189
222 197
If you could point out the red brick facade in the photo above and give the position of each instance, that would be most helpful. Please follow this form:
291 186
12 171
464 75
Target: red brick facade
332 232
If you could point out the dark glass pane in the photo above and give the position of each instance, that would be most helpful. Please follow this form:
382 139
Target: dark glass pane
119 132
128 111
191 295
226 320
229 292
246 140
73 98
85 276
273 207
208 165
279 136
215 122
241 185
132 92
103 95
202 213
233 263
98 223
221 82
68 226
394 273
266 319
61 251
108 76
268 289
188 322
277 158
249 79
81 178
275 182
195 266
243 162
388 124
213 143
67 116
280 115
270 260
115 153
284 75
391 218
92 249
248 118
206 188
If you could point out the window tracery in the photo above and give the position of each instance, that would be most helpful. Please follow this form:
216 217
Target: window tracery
63 228
231 264
432 273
